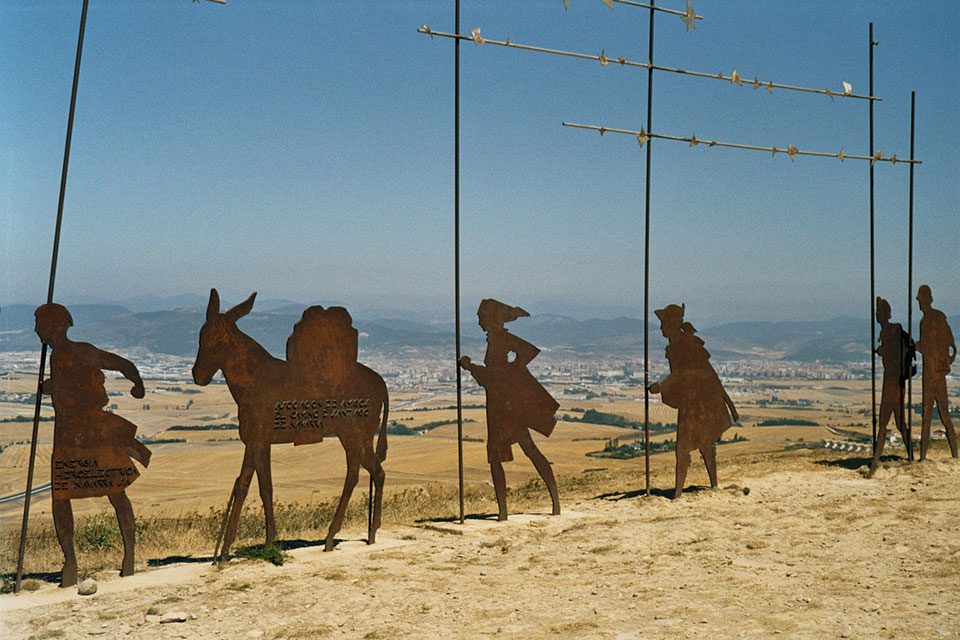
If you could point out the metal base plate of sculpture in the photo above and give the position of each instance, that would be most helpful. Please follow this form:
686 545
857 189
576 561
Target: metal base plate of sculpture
93 449
939 350
319 390
694 389
897 352
516 401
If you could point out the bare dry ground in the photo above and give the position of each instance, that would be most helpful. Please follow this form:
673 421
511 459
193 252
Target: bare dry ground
813 550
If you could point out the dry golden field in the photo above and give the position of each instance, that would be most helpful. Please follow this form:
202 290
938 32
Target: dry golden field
198 474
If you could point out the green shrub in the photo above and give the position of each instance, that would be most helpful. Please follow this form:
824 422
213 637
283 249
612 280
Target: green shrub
270 554
97 533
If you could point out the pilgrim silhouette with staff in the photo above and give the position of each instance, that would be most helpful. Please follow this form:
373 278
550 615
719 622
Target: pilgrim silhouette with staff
93 449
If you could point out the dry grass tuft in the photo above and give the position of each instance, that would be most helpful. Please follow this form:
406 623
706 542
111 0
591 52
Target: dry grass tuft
304 633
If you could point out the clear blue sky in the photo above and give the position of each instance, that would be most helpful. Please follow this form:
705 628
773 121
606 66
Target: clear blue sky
304 150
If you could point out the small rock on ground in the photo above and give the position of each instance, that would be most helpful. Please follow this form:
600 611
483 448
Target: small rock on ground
88 587
174 616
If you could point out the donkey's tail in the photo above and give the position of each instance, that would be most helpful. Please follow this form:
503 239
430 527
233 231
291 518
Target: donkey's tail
382 437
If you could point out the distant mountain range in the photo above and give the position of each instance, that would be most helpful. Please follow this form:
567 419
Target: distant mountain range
175 332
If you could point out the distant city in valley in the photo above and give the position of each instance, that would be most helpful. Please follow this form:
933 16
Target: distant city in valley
417 354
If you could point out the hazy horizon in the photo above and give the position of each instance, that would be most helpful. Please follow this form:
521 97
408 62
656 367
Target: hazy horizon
440 311
242 147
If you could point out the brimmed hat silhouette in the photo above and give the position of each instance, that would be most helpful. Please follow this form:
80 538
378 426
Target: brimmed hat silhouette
498 312
671 313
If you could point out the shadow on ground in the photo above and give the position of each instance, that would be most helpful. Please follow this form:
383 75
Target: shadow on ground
8 579
288 545
163 562
855 463
616 496
245 551
456 519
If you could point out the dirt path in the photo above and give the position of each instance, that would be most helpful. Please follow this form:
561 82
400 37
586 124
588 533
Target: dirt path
813 551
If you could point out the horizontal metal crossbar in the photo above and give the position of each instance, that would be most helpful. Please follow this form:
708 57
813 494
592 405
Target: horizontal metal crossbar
682 14
644 136
604 60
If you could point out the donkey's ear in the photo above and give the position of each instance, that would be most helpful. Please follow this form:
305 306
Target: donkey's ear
213 307
241 309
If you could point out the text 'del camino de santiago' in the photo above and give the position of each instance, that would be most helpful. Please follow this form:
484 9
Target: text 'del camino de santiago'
310 414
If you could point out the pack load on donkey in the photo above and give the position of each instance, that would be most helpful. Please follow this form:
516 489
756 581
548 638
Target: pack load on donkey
322 365
319 390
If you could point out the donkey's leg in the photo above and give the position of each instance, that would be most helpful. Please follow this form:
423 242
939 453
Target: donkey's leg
243 485
371 463
353 473
265 483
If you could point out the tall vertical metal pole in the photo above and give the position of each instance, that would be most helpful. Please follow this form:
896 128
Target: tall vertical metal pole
456 246
873 294
53 277
646 266
909 443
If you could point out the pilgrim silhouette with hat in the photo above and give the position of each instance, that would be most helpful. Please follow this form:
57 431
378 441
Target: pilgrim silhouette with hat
939 351
694 389
897 353
93 449
516 401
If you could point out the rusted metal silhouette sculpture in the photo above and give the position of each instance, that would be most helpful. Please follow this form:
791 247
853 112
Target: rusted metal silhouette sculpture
320 390
516 401
936 344
694 389
897 352
92 448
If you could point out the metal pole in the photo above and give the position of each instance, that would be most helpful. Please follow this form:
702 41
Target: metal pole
50 285
456 249
913 104
646 267
873 294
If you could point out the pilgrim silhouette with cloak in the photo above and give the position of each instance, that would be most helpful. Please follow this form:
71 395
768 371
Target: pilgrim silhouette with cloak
516 401
939 351
897 353
694 389
93 449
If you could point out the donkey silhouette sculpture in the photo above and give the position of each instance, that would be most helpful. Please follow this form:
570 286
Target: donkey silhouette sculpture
320 390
